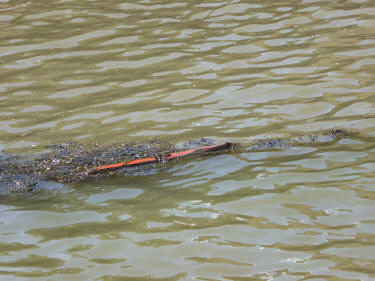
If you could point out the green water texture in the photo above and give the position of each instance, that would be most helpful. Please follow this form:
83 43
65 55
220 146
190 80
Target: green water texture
241 71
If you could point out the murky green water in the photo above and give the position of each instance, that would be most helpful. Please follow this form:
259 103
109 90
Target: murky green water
116 71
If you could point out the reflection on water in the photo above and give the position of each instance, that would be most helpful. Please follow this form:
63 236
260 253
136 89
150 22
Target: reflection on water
123 71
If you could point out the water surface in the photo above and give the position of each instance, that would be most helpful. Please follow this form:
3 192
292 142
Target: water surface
113 71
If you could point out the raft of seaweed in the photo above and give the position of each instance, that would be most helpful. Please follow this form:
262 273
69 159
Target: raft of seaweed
68 162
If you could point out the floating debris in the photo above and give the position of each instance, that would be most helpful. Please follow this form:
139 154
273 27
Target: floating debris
74 162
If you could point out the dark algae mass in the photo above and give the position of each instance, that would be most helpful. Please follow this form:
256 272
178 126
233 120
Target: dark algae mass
74 162
67 162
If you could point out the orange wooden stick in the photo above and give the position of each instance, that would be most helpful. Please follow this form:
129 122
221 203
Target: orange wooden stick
122 164
209 148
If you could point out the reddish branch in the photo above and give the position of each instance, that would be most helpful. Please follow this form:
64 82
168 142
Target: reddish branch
171 156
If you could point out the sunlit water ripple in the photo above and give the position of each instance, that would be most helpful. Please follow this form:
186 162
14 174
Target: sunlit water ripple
112 71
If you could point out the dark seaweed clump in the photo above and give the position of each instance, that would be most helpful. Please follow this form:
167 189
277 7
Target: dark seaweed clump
306 139
68 162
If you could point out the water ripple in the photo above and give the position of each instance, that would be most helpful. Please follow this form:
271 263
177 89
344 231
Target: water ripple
139 70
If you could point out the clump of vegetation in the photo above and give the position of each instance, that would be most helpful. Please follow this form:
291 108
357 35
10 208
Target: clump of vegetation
67 163
71 162
306 139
